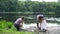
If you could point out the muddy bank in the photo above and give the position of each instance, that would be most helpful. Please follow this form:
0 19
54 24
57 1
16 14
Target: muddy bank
51 28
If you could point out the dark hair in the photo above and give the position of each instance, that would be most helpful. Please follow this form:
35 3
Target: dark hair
40 17
22 17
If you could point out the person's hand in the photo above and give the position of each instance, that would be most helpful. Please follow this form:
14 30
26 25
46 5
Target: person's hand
20 25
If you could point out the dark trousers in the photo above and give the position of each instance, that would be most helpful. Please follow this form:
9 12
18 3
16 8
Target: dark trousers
17 27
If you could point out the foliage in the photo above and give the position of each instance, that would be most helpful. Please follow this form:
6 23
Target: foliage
8 5
5 24
5 30
11 10
15 32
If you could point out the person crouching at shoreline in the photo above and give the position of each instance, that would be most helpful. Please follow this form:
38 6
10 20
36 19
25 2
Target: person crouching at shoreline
19 23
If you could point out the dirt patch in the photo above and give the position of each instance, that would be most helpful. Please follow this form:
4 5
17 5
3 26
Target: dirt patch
50 30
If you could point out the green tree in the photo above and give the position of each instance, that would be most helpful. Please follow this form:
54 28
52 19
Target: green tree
8 5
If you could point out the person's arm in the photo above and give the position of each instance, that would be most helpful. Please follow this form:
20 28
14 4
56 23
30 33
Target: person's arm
37 24
22 22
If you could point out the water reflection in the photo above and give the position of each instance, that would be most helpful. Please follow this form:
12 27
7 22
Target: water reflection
34 25
53 19
49 24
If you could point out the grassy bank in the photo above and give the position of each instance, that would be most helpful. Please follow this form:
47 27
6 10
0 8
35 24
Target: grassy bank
14 32
6 27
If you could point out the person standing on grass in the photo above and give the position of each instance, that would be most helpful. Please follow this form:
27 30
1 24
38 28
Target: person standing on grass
42 22
19 23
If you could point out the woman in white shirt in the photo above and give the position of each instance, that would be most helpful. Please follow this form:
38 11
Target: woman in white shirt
41 23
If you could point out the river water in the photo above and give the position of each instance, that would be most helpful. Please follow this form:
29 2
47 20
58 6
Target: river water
34 25
48 24
52 28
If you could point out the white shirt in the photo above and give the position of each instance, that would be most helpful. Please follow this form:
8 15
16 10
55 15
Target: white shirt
43 24
19 19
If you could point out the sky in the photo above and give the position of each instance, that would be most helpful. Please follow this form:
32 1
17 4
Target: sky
46 0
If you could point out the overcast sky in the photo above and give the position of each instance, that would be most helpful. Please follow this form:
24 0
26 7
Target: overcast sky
46 0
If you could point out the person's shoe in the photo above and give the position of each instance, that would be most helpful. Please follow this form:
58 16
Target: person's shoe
44 30
39 28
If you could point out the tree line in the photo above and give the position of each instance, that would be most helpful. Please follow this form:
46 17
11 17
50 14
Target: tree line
12 9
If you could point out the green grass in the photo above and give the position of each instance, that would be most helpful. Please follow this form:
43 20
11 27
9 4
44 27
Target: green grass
5 30
15 32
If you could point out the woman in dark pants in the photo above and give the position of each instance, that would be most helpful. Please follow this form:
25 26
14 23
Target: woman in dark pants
18 23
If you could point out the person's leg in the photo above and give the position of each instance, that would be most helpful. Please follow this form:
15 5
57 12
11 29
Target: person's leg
44 30
39 29
39 26
20 27
17 27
